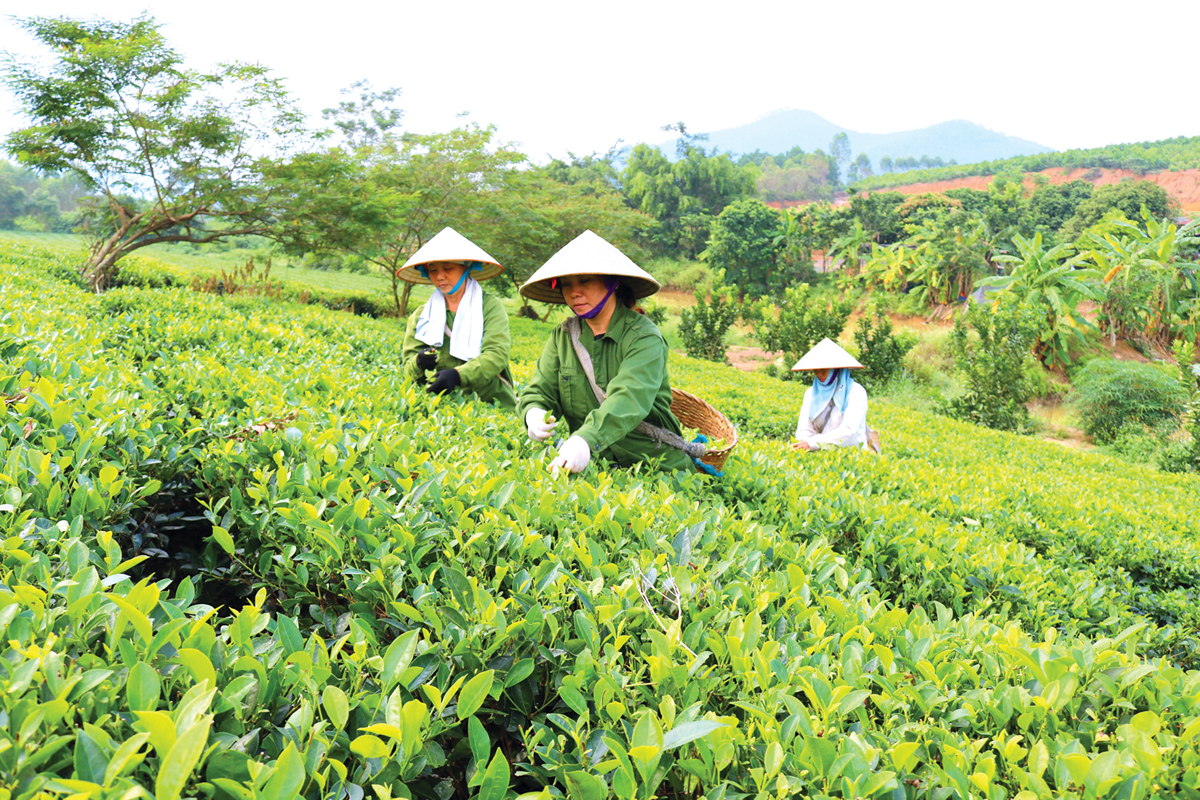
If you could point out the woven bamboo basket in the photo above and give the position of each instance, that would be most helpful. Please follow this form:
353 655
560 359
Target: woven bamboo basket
693 412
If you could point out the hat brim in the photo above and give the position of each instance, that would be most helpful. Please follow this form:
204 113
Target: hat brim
826 354
799 368
410 274
543 292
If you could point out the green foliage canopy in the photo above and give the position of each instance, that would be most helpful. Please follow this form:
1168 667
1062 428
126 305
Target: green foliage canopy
743 244
171 152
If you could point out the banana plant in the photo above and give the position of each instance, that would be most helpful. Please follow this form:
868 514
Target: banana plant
1147 258
887 267
1054 281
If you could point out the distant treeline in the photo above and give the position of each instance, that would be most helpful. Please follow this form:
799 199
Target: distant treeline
35 203
1182 152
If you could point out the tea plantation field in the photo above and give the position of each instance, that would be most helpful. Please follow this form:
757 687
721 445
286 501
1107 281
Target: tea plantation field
242 558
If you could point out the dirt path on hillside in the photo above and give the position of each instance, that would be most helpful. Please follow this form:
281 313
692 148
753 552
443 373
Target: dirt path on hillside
749 359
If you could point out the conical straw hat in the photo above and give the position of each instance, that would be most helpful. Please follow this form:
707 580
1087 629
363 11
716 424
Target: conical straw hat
587 254
827 354
449 245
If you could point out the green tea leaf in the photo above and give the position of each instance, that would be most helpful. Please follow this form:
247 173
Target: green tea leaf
398 656
689 732
143 687
91 758
495 779
474 693
222 538
337 707
519 672
287 780
585 786
369 746
176 769
479 740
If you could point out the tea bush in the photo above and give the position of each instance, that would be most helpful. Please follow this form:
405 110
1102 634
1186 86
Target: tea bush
704 325
392 597
879 350
995 366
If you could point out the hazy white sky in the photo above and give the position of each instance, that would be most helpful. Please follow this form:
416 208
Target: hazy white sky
559 76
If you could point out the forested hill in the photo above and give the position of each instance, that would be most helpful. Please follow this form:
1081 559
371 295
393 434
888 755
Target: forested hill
960 140
1180 153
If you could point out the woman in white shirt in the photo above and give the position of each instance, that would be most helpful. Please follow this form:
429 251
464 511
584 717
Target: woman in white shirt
834 413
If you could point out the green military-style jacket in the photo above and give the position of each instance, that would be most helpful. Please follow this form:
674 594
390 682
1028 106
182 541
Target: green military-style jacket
630 362
487 375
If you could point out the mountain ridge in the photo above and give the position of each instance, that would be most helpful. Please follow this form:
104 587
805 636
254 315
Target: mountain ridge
779 131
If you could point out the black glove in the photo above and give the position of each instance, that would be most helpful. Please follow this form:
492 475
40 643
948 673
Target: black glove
446 380
427 359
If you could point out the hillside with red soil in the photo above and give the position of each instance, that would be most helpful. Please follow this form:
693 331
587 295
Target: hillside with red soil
1183 185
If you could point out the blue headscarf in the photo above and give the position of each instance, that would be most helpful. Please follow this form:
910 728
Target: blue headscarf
471 266
835 387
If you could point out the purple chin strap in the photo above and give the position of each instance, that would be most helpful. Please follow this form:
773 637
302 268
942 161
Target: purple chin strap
612 284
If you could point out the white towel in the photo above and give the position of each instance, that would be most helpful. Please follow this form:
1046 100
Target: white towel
466 339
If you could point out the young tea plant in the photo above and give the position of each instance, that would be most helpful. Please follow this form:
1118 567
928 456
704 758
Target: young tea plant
703 326
994 365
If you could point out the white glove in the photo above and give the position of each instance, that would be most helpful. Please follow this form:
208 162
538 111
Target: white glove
574 455
536 425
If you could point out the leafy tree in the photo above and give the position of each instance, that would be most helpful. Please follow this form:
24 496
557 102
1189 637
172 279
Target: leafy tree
918 208
367 120
839 155
704 325
534 214
1051 205
1051 283
1128 197
994 365
806 177
794 249
850 248
885 164
684 195
169 151
382 200
593 170
947 255
861 168
879 213
743 244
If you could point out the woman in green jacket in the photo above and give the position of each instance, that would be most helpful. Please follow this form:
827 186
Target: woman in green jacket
621 411
461 332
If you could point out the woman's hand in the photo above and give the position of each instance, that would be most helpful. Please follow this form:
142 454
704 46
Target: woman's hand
574 456
800 445
427 359
446 380
538 426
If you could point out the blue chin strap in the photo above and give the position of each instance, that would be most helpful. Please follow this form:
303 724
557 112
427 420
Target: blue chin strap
471 266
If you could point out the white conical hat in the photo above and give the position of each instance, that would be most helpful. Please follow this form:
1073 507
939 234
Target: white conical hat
827 354
587 254
449 245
